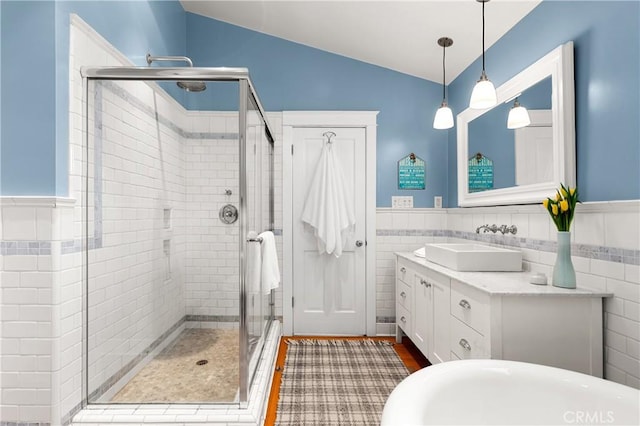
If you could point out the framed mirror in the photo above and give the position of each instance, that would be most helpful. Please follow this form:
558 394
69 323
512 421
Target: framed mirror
500 166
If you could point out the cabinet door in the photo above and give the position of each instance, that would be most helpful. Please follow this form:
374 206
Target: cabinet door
440 345
422 314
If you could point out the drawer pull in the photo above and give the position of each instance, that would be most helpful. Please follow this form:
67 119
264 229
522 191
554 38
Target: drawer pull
465 344
403 319
403 269
465 304
403 294
425 283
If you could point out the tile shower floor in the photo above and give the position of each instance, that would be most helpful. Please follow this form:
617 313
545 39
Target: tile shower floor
200 365
194 414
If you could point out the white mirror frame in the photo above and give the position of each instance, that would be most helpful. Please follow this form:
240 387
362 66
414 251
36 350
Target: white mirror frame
559 65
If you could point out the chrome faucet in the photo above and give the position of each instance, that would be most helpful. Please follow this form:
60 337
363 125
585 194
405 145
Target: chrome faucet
504 229
493 228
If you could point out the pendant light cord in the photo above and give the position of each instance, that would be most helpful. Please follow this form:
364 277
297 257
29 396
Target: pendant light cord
444 76
483 37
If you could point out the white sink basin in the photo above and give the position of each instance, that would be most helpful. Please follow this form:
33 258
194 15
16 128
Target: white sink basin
473 257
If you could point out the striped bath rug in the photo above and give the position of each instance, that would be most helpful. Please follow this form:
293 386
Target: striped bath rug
337 382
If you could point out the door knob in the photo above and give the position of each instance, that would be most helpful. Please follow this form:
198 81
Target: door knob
359 243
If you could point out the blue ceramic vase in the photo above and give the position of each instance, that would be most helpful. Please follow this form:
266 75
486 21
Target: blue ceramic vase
563 273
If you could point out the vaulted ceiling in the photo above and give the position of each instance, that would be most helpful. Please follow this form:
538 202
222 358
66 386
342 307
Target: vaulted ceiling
399 35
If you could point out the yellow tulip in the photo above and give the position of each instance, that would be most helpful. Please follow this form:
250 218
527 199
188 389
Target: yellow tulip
564 205
554 209
572 191
564 193
557 196
545 203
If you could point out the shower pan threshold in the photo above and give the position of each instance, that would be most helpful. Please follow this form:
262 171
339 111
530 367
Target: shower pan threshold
190 414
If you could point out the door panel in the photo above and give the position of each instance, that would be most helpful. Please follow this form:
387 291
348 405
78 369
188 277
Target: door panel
329 292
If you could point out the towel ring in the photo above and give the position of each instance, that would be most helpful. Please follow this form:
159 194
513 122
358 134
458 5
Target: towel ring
329 135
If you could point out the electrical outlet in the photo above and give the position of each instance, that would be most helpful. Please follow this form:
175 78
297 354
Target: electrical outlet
437 202
402 202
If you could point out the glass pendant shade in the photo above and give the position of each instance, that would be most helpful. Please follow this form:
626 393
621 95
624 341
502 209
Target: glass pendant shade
518 117
484 94
444 117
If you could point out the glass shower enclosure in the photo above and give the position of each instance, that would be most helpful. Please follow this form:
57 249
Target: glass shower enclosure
177 188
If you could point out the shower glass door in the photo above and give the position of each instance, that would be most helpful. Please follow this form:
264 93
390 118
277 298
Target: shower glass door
258 156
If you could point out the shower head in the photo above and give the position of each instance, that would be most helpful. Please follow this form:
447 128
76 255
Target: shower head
192 86
189 86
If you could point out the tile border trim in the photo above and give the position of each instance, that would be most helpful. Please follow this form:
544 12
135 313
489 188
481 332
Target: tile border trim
611 254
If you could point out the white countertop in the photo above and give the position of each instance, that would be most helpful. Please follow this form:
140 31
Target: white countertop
503 283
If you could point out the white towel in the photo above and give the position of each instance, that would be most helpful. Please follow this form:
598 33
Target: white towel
329 208
254 265
419 252
270 270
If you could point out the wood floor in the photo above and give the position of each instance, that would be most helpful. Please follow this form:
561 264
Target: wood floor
408 353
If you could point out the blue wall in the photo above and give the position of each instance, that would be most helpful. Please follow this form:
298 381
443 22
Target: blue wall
34 81
28 98
290 76
607 65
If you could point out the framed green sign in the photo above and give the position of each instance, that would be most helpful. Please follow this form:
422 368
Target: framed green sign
411 172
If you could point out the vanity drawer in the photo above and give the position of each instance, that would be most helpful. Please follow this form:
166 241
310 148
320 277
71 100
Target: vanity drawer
403 319
403 272
470 306
466 343
403 295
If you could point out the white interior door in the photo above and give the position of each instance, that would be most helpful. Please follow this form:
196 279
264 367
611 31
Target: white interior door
329 293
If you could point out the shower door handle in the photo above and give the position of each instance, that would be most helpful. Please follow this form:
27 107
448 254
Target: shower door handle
360 243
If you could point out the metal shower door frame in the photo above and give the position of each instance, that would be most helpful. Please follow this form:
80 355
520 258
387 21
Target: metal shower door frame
241 75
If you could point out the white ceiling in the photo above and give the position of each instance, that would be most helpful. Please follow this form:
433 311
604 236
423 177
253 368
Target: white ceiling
395 34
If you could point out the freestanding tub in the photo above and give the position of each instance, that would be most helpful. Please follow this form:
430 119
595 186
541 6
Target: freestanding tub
494 392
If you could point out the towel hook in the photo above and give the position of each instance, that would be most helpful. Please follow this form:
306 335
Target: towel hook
329 135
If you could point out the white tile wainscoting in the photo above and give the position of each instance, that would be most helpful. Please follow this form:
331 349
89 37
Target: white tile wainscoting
605 254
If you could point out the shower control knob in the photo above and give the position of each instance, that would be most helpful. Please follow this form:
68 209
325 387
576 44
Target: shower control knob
359 243
228 214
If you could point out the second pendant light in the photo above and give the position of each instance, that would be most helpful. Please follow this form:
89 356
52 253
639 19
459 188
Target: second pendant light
444 115
484 93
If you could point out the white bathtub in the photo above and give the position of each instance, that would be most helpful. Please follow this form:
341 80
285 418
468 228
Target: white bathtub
493 392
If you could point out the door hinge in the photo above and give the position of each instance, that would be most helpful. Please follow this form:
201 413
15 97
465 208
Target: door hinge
291 149
292 303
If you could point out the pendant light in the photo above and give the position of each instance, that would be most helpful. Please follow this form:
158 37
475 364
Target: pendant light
484 93
444 116
518 116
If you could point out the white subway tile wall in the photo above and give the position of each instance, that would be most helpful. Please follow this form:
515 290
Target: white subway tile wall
212 258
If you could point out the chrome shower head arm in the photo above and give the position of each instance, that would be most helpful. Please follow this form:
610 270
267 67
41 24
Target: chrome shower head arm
151 59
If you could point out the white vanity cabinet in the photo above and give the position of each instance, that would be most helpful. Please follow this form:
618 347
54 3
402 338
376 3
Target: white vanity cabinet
469 315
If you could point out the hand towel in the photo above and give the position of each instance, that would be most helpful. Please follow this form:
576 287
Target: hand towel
270 273
329 207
